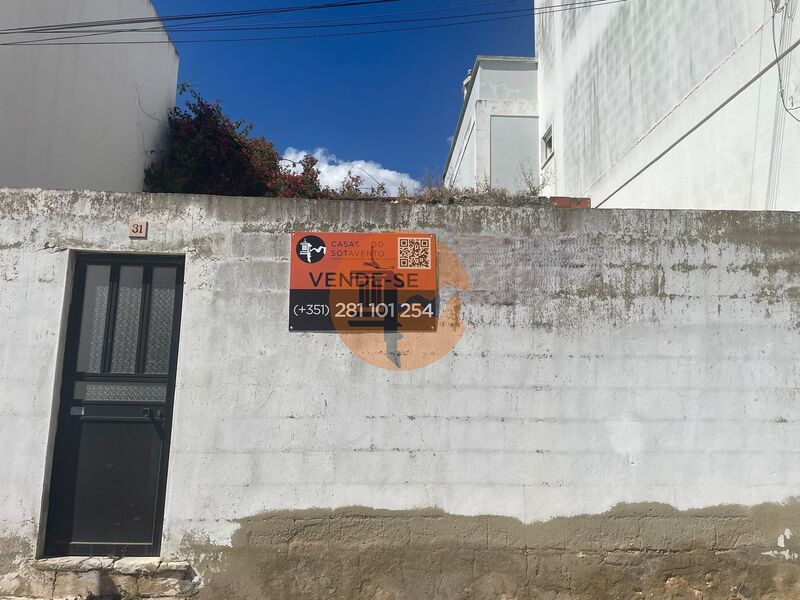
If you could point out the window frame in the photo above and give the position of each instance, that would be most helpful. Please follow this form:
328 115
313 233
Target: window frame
548 147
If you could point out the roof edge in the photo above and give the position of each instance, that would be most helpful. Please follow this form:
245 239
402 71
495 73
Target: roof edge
480 58
164 29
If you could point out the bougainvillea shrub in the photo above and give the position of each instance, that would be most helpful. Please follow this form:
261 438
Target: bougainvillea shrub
210 153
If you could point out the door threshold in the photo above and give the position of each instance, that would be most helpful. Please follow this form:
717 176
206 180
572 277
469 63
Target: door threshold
148 565
102 577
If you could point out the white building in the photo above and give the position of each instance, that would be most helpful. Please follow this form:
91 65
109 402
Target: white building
495 143
81 116
619 84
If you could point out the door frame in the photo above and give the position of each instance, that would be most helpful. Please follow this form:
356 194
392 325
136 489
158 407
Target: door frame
76 281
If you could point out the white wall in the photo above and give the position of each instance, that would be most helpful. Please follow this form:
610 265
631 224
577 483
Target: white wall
463 175
485 151
514 153
620 83
82 117
608 356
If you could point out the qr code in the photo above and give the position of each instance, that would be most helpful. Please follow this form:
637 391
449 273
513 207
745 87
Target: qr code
414 253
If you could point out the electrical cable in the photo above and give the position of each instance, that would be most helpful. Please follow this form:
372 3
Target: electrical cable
193 16
191 27
319 25
523 13
775 11
181 28
220 16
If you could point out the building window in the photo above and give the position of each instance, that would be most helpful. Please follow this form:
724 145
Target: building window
547 145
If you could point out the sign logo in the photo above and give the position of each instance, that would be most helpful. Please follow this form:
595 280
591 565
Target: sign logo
384 282
311 249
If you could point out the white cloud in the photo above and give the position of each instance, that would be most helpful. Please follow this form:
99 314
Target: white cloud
333 171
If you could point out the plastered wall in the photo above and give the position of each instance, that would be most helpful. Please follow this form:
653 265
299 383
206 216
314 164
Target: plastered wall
608 358
619 84
487 152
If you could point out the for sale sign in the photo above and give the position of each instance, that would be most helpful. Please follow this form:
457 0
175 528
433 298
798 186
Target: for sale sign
363 282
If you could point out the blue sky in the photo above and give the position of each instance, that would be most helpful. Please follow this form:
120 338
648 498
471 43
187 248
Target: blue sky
391 98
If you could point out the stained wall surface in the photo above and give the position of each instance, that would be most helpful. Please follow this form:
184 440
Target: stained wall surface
626 382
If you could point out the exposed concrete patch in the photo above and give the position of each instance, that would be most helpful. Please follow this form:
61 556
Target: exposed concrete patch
13 553
632 551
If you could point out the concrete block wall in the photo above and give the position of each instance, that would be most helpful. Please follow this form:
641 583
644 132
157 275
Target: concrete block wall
625 390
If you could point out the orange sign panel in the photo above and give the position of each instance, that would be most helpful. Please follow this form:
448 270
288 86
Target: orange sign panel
363 282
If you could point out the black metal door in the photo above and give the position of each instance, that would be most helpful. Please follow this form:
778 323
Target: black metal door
112 443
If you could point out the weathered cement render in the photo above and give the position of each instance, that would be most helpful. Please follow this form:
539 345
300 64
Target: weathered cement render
633 551
622 403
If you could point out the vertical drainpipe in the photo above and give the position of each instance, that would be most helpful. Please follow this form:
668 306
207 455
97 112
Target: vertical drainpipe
779 123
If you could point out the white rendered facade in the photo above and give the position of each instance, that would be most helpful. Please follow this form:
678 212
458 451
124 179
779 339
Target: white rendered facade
619 84
495 143
82 116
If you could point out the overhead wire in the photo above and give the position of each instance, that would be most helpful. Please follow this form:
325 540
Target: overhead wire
461 19
191 26
181 28
192 16
781 90
322 24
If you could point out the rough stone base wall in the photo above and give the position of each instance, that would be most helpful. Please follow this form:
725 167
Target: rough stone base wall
100 578
634 551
